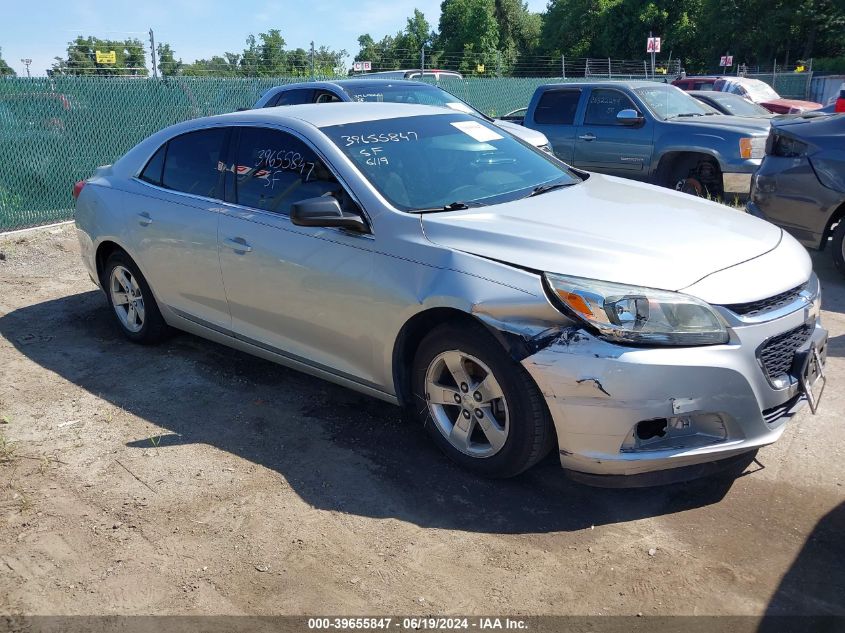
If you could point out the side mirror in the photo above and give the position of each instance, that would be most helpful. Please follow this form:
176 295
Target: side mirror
629 116
325 211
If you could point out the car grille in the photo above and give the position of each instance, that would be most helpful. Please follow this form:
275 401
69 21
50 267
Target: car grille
755 308
776 354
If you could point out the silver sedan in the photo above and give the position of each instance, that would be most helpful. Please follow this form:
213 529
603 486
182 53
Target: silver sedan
429 259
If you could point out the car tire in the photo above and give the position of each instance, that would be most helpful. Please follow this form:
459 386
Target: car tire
838 244
131 301
502 426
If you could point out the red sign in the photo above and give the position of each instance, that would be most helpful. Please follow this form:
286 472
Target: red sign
726 60
652 45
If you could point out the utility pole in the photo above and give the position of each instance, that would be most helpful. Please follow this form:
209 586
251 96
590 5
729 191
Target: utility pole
422 61
650 35
153 54
312 60
26 62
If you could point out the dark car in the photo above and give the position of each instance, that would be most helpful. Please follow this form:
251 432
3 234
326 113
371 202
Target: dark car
801 183
363 89
731 104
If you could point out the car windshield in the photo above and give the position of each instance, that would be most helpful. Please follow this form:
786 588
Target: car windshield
755 90
446 162
408 92
667 102
737 105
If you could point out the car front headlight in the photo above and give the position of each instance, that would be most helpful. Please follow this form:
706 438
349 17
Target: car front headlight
641 316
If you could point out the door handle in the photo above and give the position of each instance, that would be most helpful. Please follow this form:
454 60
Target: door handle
238 244
144 219
588 137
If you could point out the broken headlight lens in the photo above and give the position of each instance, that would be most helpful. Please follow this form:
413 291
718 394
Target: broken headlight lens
644 316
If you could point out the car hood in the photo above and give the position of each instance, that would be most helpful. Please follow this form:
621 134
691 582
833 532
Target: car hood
535 138
609 229
746 125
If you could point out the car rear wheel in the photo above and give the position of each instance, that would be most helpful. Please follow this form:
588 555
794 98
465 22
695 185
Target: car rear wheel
839 246
480 406
132 301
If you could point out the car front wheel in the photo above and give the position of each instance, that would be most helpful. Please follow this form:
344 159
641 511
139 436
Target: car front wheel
479 405
132 301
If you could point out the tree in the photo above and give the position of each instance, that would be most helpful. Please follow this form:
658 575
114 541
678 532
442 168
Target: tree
81 58
5 69
225 66
167 64
469 35
403 49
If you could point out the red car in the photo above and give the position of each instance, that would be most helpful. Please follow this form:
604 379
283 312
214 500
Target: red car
752 89
762 93
695 83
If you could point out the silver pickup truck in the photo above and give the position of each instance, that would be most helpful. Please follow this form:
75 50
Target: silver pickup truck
649 131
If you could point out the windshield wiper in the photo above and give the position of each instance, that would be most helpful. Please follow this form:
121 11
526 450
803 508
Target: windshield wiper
549 187
452 206
675 116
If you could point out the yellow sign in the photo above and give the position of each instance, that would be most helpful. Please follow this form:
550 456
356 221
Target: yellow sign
800 69
480 68
106 58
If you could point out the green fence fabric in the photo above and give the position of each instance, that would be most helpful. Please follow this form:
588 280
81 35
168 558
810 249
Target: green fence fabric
55 131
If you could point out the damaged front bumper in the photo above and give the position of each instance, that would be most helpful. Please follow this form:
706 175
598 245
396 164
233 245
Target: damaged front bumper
626 411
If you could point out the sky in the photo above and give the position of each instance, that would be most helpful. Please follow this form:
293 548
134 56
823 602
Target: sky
200 28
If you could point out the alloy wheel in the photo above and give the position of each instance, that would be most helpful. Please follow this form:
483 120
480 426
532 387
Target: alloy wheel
467 404
126 298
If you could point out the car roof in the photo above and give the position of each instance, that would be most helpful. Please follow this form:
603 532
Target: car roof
609 83
323 115
361 80
747 81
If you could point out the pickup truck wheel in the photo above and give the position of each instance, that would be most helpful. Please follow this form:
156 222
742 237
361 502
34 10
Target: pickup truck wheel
839 246
479 405
691 186
694 174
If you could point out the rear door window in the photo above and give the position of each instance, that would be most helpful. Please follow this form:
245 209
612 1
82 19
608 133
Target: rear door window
192 162
558 107
274 169
324 96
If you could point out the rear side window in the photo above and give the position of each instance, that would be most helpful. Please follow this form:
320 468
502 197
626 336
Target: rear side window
604 105
274 169
557 107
152 172
292 97
192 163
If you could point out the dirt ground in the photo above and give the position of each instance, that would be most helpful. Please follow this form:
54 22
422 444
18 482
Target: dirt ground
188 478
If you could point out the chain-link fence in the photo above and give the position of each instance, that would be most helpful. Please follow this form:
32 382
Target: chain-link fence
54 132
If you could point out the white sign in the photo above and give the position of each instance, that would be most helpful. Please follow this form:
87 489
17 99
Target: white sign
726 60
359 66
477 131
652 45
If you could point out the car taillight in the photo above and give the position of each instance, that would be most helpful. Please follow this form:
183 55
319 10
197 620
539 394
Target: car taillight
77 188
840 105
